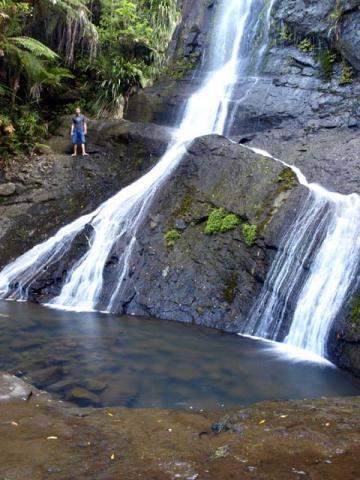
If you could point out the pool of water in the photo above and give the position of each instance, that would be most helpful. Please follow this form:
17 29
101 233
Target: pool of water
98 360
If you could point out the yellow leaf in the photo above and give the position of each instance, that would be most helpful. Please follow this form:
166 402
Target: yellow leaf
261 422
112 456
110 414
52 437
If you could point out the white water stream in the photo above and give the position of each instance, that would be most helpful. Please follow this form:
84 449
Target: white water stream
312 273
325 234
119 218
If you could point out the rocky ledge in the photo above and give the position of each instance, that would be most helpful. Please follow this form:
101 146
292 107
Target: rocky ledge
40 194
41 437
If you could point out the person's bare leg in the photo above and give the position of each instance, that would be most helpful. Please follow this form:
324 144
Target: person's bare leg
83 150
75 151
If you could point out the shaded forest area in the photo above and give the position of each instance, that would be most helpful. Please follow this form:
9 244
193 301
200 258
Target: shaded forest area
57 54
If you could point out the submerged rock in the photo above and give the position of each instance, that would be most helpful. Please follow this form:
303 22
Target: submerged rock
82 396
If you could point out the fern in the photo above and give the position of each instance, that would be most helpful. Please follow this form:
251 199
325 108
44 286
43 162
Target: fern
37 48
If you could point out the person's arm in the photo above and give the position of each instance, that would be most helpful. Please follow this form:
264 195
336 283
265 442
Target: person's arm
85 126
72 128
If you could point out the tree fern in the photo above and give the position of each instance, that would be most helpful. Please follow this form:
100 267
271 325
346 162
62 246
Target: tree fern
37 48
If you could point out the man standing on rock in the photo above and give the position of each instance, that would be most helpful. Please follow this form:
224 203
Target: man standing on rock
78 131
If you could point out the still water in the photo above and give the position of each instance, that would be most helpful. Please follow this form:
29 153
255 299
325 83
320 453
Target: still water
97 360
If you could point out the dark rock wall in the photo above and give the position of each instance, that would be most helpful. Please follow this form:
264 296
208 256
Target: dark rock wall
210 279
53 189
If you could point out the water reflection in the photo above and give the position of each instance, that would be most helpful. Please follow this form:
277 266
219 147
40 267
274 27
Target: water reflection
102 360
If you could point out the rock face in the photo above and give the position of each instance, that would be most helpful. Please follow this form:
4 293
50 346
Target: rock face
53 189
210 279
303 108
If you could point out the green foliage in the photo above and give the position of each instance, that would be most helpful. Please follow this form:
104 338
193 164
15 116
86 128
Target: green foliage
287 178
22 132
249 232
327 58
229 222
214 221
134 35
123 50
286 34
306 46
220 221
347 75
354 314
336 14
171 237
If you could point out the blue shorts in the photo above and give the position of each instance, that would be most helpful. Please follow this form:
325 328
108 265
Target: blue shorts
78 137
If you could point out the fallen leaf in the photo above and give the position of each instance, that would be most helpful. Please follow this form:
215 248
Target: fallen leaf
110 414
52 437
14 424
327 424
112 456
261 422
284 416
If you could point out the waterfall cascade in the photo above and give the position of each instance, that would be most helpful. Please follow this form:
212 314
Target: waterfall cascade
118 219
313 272
325 233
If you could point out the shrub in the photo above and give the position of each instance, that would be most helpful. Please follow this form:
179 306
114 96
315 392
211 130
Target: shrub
249 232
171 237
214 221
306 46
229 222
220 221
327 59
285 34
347 75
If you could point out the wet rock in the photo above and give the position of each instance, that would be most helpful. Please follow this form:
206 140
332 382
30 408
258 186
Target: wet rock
209 279
82 397
94 385
57 188
13 388
47 376
7 189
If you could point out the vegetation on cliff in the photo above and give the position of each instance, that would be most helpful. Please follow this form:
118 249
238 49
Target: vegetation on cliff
54 55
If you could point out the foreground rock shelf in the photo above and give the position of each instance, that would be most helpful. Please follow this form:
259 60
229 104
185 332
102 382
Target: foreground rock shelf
42 438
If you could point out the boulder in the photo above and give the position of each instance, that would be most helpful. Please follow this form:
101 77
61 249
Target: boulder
209 279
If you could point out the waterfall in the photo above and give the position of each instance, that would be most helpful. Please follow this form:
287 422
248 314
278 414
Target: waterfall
312 273
117 220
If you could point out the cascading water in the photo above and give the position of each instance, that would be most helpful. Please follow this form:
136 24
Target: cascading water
118 219
325 234
312 273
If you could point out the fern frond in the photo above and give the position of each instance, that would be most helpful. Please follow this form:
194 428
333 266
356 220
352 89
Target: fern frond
37 48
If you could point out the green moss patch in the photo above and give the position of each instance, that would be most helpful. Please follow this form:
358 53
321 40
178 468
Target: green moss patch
249 232
354 314
287 178
220 221
171 237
